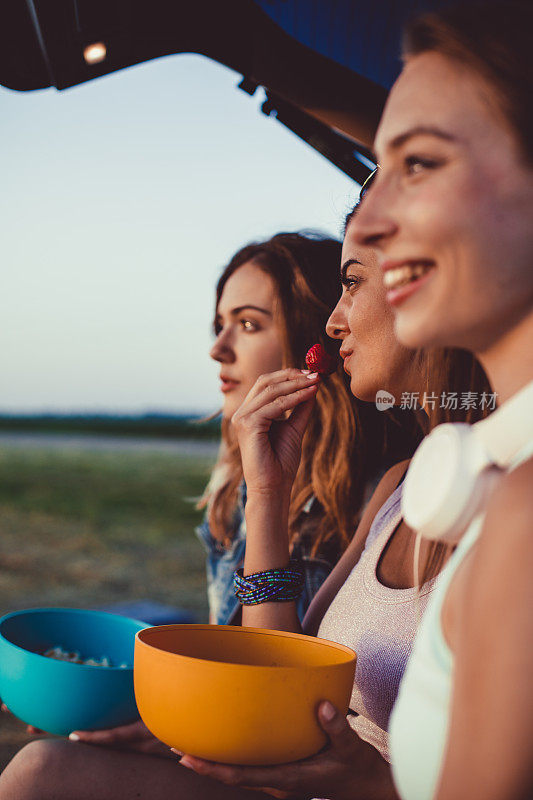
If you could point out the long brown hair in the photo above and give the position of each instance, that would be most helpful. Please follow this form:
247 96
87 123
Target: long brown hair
347 442
493 40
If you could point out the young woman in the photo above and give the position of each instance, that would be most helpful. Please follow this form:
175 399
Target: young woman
272 303
56 769
450 214
370 601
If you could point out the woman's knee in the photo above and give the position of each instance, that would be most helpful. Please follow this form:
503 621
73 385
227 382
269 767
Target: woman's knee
24 776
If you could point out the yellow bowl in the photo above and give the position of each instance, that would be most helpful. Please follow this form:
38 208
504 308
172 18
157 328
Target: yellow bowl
238 695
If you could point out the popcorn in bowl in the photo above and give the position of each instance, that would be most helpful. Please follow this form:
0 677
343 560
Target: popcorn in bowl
59 654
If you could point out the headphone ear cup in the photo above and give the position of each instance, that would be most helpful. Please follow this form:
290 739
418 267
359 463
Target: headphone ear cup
447 482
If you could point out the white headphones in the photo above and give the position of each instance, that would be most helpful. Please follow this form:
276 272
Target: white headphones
456 468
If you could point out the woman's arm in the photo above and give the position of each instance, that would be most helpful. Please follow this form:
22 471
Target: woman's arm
487 621
347 769
339 574
267 547
267 507
270 425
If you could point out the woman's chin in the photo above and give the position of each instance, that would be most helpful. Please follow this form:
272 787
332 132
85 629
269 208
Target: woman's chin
229 407
414 331
365 391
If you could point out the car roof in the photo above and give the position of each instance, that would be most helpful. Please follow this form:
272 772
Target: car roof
326 65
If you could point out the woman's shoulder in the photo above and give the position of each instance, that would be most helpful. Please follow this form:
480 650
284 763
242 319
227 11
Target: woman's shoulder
502 558
516 484
508 519
382 494
388 483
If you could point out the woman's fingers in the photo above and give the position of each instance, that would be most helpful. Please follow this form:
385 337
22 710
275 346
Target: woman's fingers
29 728
335 724
135 737
280 405
281 375
95 737
273 396
299 776
282 777
300 416
271 378
121 735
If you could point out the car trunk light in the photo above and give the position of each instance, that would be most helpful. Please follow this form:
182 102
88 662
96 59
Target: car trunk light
95 53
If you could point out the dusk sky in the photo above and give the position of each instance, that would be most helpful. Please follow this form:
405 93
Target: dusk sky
122 199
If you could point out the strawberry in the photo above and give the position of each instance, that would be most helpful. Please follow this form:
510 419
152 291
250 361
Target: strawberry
318 360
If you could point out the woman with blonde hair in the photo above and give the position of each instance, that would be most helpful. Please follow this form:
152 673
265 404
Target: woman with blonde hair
273 300
369 600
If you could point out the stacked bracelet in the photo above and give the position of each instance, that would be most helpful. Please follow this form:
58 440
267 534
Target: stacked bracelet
272 585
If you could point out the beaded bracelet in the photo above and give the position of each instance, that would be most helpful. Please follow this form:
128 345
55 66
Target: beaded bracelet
272 585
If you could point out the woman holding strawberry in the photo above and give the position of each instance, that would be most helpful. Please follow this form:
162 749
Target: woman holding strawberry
273 300
296 436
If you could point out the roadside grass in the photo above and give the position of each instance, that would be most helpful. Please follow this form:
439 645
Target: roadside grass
86 529
168 426
106 490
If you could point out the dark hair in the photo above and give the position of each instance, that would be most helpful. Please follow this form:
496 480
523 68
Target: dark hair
347 442
365 186
447 370
494 40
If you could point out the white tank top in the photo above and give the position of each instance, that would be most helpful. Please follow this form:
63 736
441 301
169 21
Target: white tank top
379 623
419 722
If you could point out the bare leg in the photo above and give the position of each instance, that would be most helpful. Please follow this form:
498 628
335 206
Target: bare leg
53 769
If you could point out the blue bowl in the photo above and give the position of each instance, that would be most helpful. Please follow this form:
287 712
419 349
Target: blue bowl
58 696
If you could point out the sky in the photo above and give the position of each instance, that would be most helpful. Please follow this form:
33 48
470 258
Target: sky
122 200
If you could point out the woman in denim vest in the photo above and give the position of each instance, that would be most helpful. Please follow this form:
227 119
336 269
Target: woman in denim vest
272 303
60 770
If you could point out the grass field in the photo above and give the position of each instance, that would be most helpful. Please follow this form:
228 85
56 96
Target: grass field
85 529
152 425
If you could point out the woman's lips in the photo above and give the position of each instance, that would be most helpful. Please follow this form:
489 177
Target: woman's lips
403 278
345 355
227 385
397 296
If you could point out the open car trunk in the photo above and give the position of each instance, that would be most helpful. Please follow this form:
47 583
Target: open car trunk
326 65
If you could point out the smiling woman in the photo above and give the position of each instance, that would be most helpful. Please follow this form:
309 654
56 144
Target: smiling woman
443 181
456 200
273 300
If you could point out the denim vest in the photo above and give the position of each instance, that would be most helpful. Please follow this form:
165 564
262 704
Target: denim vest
223 561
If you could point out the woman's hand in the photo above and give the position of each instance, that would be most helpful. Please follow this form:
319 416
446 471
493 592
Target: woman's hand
269 441
337 772
29 728
135 736
270 425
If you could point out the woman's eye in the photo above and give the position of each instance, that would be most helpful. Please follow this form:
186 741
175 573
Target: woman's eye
416 164
352 282
249 325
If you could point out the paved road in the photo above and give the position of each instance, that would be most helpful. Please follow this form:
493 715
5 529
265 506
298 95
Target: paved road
68 441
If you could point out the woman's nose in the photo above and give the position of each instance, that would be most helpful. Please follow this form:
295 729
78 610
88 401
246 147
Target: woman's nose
222 351
374 223
337 326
